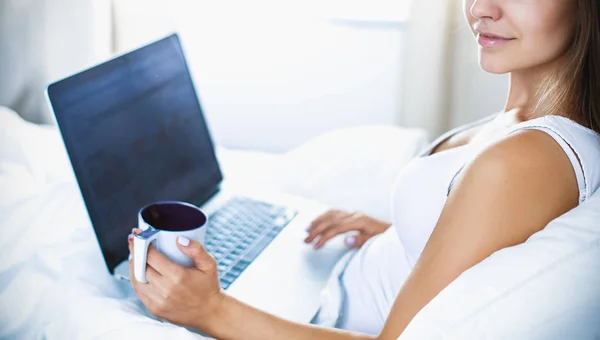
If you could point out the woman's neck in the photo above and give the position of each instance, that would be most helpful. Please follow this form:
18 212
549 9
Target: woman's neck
523 97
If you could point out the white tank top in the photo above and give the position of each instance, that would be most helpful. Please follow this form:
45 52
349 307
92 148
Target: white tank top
375 274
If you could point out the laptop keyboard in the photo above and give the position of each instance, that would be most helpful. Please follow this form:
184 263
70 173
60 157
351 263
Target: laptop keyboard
239 231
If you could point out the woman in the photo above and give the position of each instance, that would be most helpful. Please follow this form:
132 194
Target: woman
478 189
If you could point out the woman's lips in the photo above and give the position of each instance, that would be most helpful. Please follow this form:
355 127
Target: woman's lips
491 41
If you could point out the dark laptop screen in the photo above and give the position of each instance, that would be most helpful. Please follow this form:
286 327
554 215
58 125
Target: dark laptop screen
135 134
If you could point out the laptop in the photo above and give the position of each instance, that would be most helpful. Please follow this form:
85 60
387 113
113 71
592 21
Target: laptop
135 133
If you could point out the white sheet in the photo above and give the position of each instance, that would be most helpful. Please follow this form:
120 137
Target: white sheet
53 282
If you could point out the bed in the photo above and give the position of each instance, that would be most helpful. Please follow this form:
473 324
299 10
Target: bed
53 282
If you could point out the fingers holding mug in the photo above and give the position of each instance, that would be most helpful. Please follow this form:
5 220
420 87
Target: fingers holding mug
160 224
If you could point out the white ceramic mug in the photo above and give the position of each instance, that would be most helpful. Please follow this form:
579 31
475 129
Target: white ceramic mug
162 223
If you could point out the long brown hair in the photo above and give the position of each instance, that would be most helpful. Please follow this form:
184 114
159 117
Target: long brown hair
575 90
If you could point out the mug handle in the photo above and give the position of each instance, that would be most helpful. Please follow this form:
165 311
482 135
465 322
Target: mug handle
141 242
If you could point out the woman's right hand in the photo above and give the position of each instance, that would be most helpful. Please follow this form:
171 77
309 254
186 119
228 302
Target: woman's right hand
184 296
335 222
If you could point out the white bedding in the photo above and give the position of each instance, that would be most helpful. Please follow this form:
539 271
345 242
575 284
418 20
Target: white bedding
53 282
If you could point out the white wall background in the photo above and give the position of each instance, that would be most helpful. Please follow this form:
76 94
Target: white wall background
443 85
475 93
43 40
270 74
22 73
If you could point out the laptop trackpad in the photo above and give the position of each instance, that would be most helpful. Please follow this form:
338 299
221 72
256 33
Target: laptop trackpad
287 278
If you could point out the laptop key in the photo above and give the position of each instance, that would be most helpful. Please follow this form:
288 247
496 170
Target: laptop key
258 248
239 231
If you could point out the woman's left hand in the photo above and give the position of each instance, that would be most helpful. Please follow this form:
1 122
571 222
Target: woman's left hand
184 296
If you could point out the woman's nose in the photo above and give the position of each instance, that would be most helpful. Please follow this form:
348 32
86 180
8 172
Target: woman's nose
486 9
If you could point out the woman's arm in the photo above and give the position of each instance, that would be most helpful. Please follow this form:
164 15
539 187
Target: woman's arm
506 194
192 297
509 192
258 325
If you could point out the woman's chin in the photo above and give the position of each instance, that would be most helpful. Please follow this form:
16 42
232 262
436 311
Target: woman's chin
493 66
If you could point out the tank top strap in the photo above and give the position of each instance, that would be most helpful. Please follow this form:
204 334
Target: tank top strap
580 144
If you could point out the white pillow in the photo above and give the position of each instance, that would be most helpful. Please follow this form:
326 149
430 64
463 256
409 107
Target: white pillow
545 288
352 169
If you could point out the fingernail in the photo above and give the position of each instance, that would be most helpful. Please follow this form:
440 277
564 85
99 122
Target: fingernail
129 258
129 238
350 240
184 241
132 230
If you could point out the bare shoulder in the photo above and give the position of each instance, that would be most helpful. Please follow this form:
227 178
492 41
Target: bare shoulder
527 169
527 152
